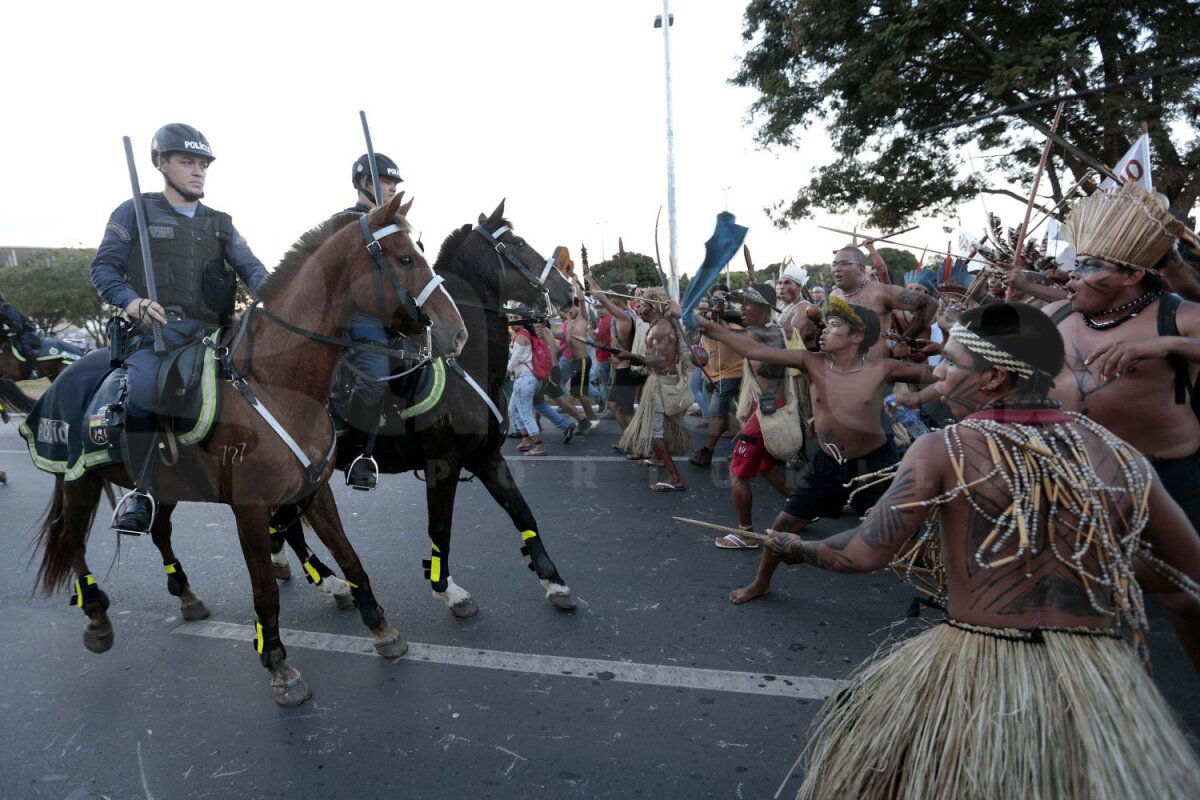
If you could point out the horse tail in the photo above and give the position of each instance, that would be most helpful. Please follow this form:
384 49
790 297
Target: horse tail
12 397
56 541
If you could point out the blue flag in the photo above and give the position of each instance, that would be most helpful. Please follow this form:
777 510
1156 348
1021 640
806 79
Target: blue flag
725 241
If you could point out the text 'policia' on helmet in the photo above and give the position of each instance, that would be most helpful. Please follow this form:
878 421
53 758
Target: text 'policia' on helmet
387 168
179 138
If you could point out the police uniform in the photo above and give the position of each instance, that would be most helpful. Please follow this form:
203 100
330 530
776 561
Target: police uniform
21 329
197 259
363 327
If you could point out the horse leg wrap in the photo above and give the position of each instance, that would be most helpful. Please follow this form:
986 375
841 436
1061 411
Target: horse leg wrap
314 570
368 609
177 579
88 593
436 573
266 641
276 540
539 562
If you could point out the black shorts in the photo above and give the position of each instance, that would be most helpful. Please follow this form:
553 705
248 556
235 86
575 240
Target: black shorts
581 377
1181 478
624 388
822 490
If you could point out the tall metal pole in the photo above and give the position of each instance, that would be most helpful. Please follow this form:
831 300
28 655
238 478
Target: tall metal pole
672 272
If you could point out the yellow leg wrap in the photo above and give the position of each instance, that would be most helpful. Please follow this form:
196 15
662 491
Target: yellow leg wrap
313 575
170 568
527 535
435 569
87 580
258 637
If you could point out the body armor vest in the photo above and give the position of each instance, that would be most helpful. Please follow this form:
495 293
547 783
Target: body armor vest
190 272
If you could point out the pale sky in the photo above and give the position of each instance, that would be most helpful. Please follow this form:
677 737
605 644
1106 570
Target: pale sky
556 105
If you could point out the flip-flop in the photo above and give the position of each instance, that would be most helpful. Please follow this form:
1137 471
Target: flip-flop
634 457
663 486
524 448
731 541
646 462
536 453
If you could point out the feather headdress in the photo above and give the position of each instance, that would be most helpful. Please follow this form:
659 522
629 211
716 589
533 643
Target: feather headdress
837 307
1131 227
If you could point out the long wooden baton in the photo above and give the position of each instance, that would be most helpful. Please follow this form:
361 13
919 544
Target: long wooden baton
371 158
139 211
760 537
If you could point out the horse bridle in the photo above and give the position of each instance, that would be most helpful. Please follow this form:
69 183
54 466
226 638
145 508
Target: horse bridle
381 265
502 256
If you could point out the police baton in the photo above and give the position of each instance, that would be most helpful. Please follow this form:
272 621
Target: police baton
139 210
371 160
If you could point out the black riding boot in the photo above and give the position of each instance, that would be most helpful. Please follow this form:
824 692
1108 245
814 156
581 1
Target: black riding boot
141 460
362 428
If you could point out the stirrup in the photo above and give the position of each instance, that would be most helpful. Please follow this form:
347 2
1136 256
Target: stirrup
121 504
374 478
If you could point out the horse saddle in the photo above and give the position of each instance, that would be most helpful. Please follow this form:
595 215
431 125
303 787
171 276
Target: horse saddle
51 349
78 422
408 396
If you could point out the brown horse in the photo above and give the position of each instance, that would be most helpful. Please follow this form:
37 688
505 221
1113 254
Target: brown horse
59 355
286 358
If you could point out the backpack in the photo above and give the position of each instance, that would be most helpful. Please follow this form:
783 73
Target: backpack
542 362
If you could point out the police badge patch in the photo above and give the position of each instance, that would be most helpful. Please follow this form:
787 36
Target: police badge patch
98 429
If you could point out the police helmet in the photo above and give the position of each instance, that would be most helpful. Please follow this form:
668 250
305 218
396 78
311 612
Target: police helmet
386 167
179 138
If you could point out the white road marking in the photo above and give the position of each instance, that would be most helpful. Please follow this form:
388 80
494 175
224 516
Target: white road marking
716 680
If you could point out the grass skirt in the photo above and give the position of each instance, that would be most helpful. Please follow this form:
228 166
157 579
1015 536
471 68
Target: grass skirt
957 713
640 431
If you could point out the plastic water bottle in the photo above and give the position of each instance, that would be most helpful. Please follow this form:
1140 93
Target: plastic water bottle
905 416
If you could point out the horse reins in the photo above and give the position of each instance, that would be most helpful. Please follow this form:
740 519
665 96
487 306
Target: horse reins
502 256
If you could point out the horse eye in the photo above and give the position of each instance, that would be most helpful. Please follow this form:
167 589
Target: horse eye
520 243
406 261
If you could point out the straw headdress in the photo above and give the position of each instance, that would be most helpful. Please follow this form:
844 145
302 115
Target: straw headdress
1131 227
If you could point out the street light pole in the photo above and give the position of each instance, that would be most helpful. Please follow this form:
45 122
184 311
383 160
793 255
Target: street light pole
665 22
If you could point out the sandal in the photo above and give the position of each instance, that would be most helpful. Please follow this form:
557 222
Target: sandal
731 541
541 451
524 448
664 486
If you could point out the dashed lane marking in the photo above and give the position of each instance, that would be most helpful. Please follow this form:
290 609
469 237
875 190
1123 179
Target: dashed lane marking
717 680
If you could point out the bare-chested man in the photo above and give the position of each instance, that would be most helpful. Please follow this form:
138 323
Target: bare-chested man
793 308
1032 643
661 358
848 386
577 332
624 382
851 284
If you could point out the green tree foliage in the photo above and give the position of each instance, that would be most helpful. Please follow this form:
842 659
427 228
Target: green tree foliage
639 269
52 287
877 74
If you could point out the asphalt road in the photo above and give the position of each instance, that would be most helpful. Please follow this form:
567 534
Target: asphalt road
655 686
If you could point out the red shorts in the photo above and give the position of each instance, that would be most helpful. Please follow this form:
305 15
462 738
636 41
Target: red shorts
750 456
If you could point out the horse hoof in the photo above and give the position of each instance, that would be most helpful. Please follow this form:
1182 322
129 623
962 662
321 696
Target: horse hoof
281 572
564 600
345 601
389 643
289 687
98 641
464 608
194 611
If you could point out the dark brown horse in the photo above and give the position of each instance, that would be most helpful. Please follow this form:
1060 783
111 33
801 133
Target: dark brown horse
288 357
484 266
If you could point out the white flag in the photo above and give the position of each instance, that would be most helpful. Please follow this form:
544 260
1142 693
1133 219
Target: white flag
1135 166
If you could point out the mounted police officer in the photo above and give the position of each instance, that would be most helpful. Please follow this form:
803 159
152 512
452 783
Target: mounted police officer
366 399
197 256
21 329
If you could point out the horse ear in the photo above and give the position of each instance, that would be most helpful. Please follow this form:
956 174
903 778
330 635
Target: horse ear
404 208
499 212
393 205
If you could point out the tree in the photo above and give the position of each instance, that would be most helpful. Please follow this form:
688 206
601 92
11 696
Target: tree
52 287
879 74
639 269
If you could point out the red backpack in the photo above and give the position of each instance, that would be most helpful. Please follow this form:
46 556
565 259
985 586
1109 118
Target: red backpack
541 363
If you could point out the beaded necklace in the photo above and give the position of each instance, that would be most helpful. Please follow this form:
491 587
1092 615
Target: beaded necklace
1133 306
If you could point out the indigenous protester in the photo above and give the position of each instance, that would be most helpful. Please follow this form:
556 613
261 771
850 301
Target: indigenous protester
723 371
1027 523
816 294
1131 352
366 399
18 328
525 383
658 425
851 284
848 388
191 246
760 449
625 383
603 365
789 289
576 334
